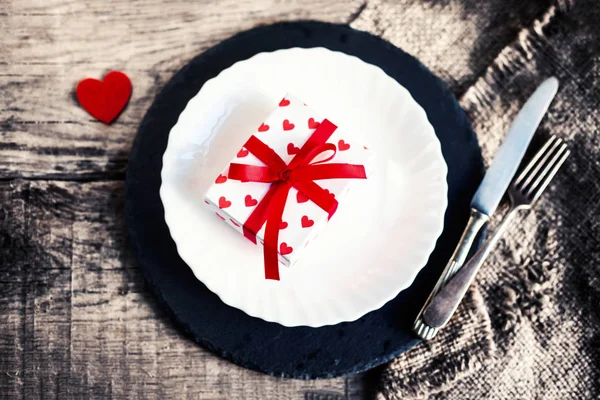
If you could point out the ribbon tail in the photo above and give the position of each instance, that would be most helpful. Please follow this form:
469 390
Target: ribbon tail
315 172
277 205
250 173
259 216
319 196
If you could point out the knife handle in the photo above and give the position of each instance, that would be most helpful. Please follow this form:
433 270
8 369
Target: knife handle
476 221
446 301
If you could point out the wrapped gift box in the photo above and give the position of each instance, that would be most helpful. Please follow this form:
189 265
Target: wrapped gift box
285 131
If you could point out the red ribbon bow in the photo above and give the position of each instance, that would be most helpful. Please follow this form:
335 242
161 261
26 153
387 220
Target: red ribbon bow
300 173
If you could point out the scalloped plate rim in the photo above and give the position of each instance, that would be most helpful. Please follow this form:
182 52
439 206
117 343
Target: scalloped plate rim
314 321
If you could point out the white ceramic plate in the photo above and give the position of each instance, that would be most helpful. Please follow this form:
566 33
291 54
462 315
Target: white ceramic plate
379 238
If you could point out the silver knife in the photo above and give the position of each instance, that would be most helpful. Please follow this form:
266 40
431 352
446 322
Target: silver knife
494 184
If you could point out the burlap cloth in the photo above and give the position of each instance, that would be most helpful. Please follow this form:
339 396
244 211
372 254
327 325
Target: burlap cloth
530 327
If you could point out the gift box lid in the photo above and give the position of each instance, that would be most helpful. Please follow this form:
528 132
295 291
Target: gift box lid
285 131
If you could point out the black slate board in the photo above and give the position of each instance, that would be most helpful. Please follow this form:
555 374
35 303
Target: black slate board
300 352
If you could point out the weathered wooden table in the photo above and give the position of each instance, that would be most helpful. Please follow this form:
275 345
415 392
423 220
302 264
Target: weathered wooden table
75 318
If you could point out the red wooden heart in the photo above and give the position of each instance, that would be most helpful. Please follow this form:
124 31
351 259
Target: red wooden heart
343 145
285 249
287 125
223 202
221 179
105 99
242 153
301 197
263 127
291 149
306 222
312 124
250 202
283 225
284 102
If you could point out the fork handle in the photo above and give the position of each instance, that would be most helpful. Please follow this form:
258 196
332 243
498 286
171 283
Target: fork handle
444 303
476 221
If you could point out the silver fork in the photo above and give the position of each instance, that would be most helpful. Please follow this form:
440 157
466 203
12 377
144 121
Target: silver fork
524 191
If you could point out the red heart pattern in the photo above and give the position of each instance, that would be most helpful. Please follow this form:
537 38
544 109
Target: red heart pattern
287 125
285 249
301 197
291 149
306 222
312 124
105 99
223 202
342 146
221 179
250 202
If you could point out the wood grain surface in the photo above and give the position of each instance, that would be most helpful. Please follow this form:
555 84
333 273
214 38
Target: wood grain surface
76 320
49 45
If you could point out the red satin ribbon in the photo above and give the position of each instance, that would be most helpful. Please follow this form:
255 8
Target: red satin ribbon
300 173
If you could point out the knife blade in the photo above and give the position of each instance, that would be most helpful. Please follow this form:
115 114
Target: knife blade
493 186
511 152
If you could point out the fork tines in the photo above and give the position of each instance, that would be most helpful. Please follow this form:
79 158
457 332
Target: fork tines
542 168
